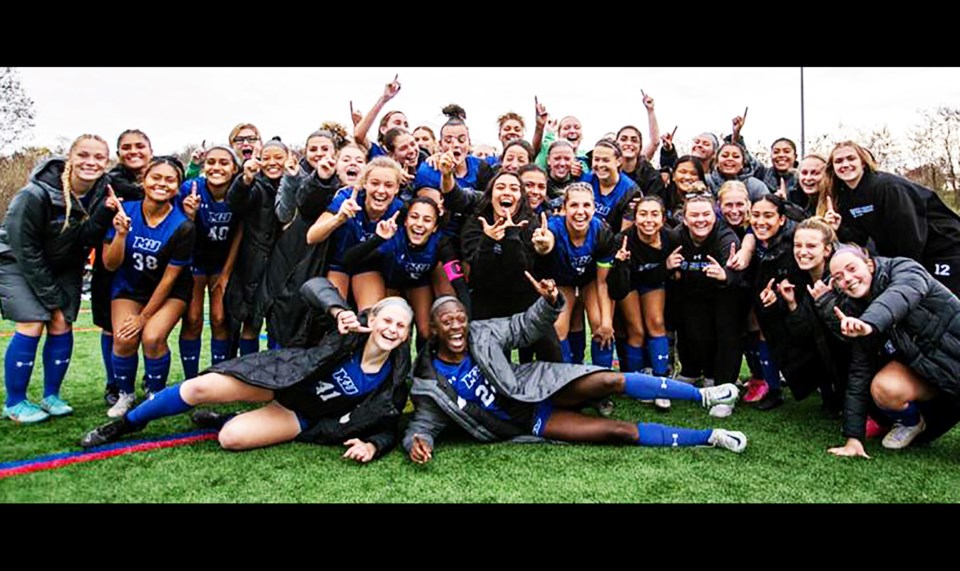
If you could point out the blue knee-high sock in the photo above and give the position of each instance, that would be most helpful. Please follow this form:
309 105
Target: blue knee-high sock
771 373
219 350
272 343
106 352
18 366
167 402
909 416
125 371
157 372
248 346
641 386
633 360
601 357
578 346
565 352
752 353
661 435
190 356
659 348
56 358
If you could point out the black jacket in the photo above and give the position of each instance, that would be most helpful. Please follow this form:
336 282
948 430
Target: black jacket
693 281
903 218
32 233
647 178
918 315
374 419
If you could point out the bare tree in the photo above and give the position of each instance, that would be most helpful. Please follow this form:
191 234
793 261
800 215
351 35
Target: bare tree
16 110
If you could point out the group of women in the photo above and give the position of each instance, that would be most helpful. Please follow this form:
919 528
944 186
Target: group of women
828 275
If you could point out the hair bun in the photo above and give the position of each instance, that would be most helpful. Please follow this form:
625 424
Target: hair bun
454 111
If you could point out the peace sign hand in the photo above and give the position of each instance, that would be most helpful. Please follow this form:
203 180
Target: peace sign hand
291 166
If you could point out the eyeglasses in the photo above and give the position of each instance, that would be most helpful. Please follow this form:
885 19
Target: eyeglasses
251 139
703 193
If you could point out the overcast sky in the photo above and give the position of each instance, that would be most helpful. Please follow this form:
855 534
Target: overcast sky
177 106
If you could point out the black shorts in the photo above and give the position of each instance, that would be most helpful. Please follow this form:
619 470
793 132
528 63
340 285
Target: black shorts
182 290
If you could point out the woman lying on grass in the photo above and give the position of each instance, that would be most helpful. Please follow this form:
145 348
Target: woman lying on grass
349 388
466 376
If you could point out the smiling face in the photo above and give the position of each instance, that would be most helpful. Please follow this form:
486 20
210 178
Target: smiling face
510 130
811 173
847 165
809 248
318 148
382 185
421 222
765 220
703 147
395 120
350 164
730 161
684 175
733 206
219 168
406 151
390 327
535 185
506 195
649 218
272 160
246 143
699 218
578 208
450 324
559 162
88 159
571 130
161 182
606 163
514 158
425 140
782 156
852 275
629 141
134 152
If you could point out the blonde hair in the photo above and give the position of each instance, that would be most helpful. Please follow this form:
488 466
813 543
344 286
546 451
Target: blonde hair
820 225
65 181
381 162
392 300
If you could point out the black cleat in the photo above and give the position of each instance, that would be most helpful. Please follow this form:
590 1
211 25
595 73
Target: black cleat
205 418
111 394
771 400
110 432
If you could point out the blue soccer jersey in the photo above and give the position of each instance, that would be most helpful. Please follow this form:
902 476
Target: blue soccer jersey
428 176
471 385
577 265
215 228
605 204
357 229
405 265
148 250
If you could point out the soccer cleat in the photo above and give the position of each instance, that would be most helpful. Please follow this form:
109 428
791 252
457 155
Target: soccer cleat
25 412
663 405
604 407
756 390
205 418
723 394
125 402
721 410
732 440
110 394
773 399
56 406
875 429
110 432
901 436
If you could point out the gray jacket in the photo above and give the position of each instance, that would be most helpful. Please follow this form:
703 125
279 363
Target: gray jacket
490 343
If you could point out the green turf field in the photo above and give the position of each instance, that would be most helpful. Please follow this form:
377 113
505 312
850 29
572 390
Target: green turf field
786 461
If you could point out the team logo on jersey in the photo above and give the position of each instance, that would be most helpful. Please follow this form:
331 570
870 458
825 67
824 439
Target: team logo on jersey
346 383
471 377
147 244
580 263
220 217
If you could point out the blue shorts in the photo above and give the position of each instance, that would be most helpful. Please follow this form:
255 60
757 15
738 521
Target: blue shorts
206 270
645 289
541 414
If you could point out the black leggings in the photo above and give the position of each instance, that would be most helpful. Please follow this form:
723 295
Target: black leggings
708 336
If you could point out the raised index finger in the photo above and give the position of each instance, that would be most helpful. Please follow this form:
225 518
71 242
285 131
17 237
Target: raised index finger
838 313
533 280
829 204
